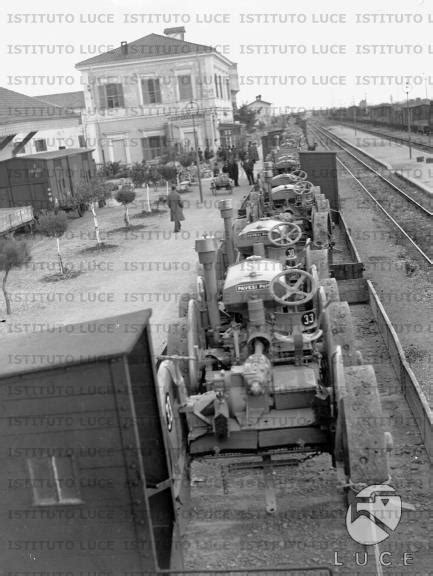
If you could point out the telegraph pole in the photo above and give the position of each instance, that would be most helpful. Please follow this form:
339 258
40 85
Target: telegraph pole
408 121
197 159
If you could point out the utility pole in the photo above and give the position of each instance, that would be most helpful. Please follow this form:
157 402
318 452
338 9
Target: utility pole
354 114
408 121
197 158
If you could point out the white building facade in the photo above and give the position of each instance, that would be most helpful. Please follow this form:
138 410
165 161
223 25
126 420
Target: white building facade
156 94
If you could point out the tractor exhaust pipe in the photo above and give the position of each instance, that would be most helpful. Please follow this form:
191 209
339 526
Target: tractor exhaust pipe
226 210
206 249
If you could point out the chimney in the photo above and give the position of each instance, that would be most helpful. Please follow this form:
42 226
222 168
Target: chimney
178 33
258 98
124 48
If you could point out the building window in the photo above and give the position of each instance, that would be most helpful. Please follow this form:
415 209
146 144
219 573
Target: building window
185 87
111 96
151 91
220 84
228 89
81 141
40 145
216 86
54 481
153 146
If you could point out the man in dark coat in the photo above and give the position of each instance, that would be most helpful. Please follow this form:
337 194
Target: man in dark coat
248 166
234 169
175 204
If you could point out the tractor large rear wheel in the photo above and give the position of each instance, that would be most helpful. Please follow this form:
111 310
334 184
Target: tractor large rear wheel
175 433
322 230
177 344
338 329
361 444
196 344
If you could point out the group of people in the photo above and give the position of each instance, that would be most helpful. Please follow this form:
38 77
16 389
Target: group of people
206 155
230 158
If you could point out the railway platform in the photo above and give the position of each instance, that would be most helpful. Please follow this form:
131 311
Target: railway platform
392 155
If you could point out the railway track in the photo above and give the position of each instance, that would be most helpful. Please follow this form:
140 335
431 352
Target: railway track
408 225
413 219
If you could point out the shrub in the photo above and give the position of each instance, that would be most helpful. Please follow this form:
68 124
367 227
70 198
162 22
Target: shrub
13 254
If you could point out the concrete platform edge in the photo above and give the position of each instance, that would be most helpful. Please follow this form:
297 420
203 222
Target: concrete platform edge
413 182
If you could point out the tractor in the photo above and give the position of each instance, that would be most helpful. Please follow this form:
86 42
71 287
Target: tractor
280 224
264 362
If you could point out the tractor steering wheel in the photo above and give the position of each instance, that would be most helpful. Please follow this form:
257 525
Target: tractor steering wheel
284 234
290 281
299 174
302 187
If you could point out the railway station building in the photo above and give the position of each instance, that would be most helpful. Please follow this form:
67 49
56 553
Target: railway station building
157 94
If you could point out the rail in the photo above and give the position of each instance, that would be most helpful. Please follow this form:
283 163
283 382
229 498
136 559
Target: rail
335 139
411 200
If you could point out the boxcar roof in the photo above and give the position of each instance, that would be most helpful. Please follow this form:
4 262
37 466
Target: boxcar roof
55 154
72 344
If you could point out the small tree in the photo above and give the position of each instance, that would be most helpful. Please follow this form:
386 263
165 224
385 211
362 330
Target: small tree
139 173
125 196
246 116
54 226
186 159
13 254
90 193
168 172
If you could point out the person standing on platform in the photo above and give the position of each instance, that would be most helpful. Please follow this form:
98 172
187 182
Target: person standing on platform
175 205
249 170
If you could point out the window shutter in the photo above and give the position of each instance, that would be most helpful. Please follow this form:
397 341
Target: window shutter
102 97
145 91
120 96
157 86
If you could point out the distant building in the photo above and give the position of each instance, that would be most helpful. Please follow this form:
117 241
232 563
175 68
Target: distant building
262 109
138 97
29 125
70 101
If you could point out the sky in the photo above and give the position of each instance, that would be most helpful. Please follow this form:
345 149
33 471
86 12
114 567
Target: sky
295 54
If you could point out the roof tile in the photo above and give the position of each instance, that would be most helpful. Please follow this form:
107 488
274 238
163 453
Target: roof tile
150 46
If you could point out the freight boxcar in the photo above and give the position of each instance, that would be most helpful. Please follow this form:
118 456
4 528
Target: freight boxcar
46 180
85 480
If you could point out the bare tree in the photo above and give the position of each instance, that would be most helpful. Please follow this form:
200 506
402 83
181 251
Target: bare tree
54 226
91 192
